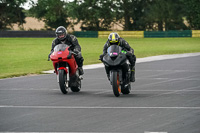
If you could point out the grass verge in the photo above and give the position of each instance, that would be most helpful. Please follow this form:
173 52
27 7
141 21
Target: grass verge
23 56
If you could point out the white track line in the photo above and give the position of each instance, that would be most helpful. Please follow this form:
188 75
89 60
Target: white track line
93 107
59 132
154 132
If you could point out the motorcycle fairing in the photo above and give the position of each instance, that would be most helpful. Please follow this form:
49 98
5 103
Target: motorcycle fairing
120 59
61 54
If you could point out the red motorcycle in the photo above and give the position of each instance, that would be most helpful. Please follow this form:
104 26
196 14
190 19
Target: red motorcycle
66 68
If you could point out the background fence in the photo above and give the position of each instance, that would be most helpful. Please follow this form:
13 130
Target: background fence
185 33
27 33
93 34
96 34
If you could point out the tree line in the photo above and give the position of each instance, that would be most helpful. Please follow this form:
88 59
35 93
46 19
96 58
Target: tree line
98 15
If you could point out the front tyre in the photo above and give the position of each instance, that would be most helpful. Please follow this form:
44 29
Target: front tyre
63 81
115 83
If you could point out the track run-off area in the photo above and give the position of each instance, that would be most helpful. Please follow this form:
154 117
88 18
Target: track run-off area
164 99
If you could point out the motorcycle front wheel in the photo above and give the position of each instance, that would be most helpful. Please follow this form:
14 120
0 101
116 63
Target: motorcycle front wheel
115 83
63 81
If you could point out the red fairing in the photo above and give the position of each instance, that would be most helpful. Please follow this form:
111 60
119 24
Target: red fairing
62 56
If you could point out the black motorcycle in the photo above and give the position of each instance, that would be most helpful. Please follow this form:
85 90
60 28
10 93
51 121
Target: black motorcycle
118 67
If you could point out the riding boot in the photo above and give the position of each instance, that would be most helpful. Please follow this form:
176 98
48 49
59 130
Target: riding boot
80 70
79 61
132 79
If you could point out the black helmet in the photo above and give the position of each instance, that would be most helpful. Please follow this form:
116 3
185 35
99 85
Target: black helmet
113 38
61 33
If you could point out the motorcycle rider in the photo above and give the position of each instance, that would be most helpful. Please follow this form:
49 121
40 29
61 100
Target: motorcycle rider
62 37
115 39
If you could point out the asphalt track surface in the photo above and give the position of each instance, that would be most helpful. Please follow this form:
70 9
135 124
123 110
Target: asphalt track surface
164 99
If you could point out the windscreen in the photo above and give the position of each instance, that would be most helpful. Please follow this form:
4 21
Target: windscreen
114 50
60 47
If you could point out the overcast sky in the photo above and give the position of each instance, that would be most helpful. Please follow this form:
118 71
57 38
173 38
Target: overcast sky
27 4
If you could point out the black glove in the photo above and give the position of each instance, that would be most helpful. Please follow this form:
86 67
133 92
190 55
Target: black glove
101 57
49 55
129 53
48 58
76 51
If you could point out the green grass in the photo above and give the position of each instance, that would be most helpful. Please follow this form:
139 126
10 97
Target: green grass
22 56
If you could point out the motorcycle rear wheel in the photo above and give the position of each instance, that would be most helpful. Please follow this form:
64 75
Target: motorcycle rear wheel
63 81
115 84
126 90
76 86
75 89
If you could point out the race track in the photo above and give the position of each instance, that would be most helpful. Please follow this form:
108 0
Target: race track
165 98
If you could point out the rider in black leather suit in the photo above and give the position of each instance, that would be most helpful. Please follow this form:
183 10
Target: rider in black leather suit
115 39
62 37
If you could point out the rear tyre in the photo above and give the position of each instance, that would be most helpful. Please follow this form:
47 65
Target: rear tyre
63 81
75 89
127 89
115 84
76 85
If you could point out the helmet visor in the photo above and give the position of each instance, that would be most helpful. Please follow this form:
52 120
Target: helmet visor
61 36
113 39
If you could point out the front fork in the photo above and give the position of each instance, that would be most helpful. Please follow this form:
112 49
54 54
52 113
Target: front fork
67 74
